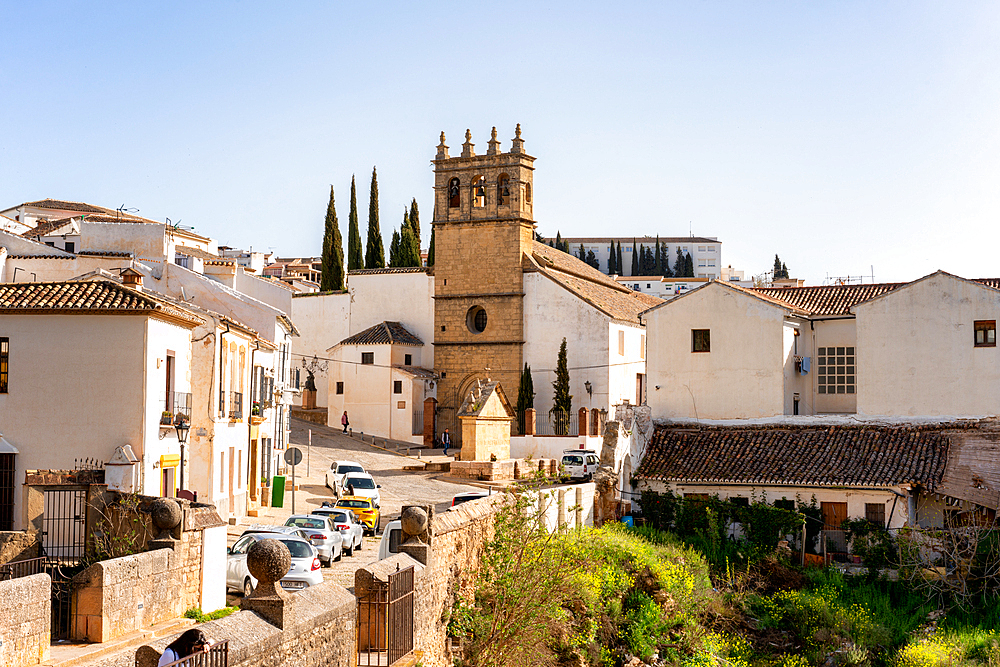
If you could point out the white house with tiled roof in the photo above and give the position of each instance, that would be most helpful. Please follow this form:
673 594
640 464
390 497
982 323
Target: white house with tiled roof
83 370
897 349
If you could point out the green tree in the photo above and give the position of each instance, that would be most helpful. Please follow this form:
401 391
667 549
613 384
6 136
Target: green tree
612 261
658 260
525 395
618 260
558 245
679 264
784 270
394 249
430 250
332 277
635 260
562 402
355 259
582 253
592 260
415 224
776 271
409 249
375 252
688 266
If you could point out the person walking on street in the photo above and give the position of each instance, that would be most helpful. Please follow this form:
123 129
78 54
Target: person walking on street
344 421
446 441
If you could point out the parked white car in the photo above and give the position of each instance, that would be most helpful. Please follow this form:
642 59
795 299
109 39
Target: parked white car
362 484
466 497
352 531
391 538
580 463
335 475
304 572
321 533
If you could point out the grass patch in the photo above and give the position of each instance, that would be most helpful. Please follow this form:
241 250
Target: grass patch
196 614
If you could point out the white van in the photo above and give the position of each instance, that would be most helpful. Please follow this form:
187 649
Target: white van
580 463
391 537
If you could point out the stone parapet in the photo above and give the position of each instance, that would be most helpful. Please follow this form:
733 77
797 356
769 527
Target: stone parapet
24 625
483 470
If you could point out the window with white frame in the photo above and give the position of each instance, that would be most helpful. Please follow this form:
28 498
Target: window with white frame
835 370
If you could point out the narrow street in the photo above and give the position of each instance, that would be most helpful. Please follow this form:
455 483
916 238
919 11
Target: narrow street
399 487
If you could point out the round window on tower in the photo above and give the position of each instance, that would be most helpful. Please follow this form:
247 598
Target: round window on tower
475 319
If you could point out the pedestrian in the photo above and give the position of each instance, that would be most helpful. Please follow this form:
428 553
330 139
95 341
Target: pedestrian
344 421
191 642
446 441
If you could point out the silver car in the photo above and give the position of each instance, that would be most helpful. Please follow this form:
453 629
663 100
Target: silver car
351 530
322 534
304 572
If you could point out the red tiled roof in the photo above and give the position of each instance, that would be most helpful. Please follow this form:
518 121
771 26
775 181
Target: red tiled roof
46 228
826 299
594 287
384 333
81 296
60 205
807 456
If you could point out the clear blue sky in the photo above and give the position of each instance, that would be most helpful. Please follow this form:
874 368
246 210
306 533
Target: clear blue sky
840 135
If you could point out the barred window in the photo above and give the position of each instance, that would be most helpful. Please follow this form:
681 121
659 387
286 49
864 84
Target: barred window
368 357
835 370
875 513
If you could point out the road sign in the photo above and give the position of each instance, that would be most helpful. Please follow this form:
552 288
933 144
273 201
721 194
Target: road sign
293 455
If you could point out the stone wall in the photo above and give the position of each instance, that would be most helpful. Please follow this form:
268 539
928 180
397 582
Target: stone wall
118 596
24 625
18 545
322 633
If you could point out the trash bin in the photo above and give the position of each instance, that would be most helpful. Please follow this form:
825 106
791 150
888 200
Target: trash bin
627 520
278 491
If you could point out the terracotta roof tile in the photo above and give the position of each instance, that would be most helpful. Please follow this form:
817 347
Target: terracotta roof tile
832 456
195 252
826 299
591 285
60 205
417 371
46 228
384 333
89 296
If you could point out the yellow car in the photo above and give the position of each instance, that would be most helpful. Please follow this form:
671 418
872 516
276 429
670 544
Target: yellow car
365 509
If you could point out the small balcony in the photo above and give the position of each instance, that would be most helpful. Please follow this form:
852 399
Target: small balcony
176 409
235 406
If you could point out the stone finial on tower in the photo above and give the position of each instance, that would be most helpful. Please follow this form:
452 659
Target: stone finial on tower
467 147
517 146
494 148
442 149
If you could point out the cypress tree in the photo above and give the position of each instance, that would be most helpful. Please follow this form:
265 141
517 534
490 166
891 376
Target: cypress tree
666 262
415 224
612 263
688 266
375 252
618 260
394 249
409 251
784 270
525 395
679 264
592 260
332 277
658 260
430 250
582 254
558 245
562 402
776 271
635 260
355 259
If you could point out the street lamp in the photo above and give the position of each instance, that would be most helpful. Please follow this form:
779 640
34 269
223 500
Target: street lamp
182 428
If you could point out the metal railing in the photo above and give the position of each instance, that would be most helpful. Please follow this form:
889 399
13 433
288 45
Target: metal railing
385 620
557 422
176 406
22 568
216 655
418 422
235 405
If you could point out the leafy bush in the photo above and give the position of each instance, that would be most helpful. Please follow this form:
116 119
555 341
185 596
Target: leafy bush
196 614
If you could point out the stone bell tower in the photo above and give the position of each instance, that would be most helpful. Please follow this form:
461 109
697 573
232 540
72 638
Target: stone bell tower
483 225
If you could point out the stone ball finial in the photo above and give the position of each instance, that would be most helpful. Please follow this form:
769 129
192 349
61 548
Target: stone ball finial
268 561
468 135
442 138
413 520
166 515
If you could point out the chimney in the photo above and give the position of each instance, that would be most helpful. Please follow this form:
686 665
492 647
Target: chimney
132 278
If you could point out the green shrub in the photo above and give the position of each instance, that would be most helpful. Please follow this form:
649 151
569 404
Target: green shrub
196 614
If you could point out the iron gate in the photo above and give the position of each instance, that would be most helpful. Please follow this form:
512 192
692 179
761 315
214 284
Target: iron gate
64 523
385 620
62 599
216 655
